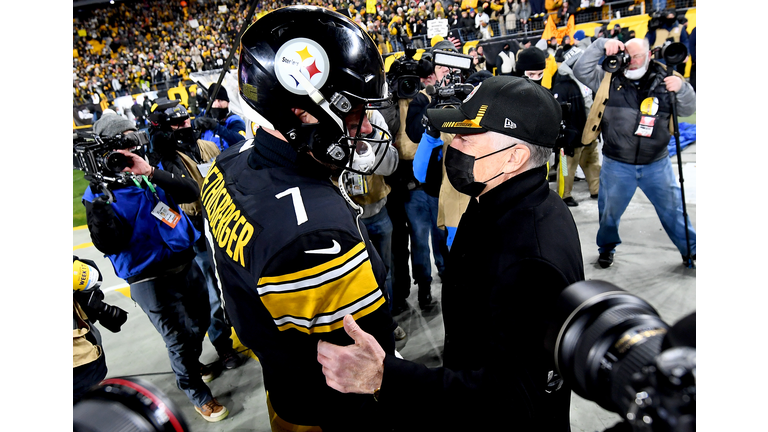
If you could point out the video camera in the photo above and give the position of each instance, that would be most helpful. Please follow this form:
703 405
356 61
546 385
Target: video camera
98 158
405 73
450 88
613 348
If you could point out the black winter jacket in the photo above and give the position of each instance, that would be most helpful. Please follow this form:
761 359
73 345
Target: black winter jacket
515 251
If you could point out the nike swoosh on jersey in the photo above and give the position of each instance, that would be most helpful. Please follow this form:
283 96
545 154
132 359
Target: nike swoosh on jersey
333 250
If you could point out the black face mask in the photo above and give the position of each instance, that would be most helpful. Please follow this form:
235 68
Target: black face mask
460 167
219 113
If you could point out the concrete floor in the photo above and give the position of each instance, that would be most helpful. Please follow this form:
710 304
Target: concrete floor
647 264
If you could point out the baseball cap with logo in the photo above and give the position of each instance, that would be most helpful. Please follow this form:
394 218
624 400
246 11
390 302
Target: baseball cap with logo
516 107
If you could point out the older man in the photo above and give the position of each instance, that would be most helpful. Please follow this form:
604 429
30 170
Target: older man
637 106
516 249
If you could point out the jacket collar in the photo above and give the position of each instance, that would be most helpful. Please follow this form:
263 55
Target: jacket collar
523 190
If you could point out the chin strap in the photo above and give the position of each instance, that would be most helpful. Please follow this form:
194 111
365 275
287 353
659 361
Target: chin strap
358 209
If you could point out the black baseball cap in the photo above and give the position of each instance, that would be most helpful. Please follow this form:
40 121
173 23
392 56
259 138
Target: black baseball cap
516 107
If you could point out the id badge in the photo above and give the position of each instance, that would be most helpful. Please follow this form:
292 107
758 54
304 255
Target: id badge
645 128
648 110
166 214
356 184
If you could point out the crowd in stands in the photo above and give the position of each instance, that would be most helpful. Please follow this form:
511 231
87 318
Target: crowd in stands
137 46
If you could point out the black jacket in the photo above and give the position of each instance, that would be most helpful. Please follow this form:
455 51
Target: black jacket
515 251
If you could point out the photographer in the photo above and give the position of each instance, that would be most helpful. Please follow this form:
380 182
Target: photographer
421 205
149 241
223 128
177 144
635 122
576 100
89 365
516 249
666 28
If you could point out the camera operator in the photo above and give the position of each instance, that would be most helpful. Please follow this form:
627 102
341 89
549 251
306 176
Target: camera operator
176 143
635 126
666 28
224 128
421 206
89 366
149 240
516 249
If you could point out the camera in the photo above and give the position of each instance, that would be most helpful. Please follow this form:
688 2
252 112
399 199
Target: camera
127 404
94 154
85 289
614 349
673 53
450 91
616 63
99 159
404 77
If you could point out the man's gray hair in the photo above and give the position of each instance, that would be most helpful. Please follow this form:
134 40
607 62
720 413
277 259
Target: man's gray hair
539 155
642 41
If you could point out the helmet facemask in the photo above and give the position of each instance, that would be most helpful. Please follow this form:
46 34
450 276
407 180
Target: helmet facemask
316 60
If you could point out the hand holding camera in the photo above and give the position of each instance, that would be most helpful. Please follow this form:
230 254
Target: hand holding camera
206 123
136 164
613 46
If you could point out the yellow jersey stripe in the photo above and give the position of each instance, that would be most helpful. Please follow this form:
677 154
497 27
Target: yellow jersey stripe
310 305
317 270
336 325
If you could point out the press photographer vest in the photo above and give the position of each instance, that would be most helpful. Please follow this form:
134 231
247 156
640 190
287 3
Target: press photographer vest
208 151
663 34
406 148
83 350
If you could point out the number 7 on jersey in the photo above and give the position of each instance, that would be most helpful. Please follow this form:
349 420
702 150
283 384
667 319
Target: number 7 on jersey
298 204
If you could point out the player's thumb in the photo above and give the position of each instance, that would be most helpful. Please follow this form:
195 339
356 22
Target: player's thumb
353 330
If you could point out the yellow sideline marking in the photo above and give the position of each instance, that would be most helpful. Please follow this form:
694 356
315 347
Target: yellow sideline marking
236 344
81 227
82 246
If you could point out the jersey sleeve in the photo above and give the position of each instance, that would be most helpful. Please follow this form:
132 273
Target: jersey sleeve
313 282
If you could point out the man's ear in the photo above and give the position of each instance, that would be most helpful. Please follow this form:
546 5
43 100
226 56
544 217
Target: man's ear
518 159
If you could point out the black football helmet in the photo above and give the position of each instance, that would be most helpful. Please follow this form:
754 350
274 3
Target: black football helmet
319 61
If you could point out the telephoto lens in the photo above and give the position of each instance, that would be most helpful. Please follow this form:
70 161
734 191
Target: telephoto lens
127 405
608 336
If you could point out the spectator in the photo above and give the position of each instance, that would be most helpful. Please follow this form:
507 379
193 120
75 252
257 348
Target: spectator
524 14
507 60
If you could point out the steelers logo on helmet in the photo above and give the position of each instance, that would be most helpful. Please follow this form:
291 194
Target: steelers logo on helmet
301 56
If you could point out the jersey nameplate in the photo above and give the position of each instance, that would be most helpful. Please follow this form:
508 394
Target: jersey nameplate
229 227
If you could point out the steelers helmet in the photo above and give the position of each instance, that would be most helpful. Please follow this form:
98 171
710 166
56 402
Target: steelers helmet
319 61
